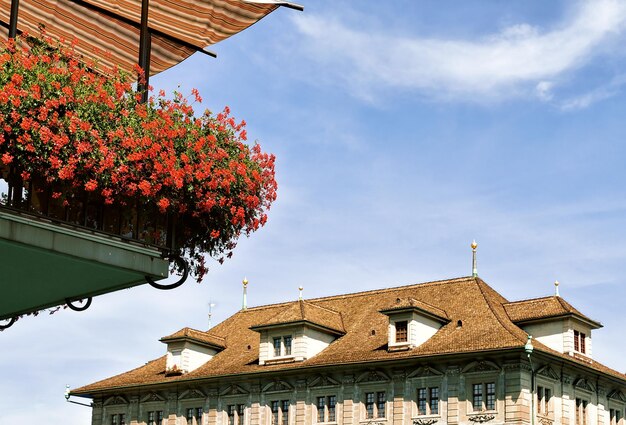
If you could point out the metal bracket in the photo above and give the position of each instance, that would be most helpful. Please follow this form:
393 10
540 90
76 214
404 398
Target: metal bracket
10 323
182 264
78 308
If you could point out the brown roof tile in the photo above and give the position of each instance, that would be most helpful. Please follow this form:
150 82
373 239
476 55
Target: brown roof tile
204 338
304 311
479 321
544 308
403 304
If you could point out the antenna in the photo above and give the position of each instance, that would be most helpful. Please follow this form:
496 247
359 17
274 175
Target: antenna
474 268
300 288
211 305
556 288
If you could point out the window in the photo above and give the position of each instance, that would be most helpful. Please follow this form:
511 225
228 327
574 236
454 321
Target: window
326 410
579 342
194 415
484 396
118 419
236 414
402 331
543 400
375 405
155 417
280 412
581 411
428 401
615 416
282 345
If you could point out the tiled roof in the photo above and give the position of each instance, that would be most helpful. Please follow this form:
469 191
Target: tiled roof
204 338
403 304
304 311
544 308
477 314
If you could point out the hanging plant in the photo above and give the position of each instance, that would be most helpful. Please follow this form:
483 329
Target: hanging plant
82 134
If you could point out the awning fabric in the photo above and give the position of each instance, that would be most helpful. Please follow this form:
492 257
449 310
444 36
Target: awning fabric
108 30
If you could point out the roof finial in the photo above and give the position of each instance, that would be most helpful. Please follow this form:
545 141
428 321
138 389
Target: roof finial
300 288
244 303
556 288
474 268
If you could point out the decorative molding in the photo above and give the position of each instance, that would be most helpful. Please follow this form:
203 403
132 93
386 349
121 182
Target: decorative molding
425 421
567 379
584 384
233 390
278 385
115 400
212 392
372 376
512 366
482 417
192 394
616 395
348 379
255 388
172 396
152 397
97 404
544 420
398 375
548 372
322 381
425 371
481 366
453 370
301 384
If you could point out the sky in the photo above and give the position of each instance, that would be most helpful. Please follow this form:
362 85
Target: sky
403 130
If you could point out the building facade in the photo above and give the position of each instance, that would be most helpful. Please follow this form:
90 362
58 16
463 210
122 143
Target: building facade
446 352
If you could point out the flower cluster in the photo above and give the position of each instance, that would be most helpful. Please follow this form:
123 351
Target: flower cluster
88 133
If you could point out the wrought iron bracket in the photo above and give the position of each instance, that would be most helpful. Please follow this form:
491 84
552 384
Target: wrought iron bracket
182 264
78 308
10 323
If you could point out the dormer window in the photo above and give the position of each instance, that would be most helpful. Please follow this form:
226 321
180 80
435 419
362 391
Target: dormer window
402 327
579 342
297 332
282 346
412 322
188 349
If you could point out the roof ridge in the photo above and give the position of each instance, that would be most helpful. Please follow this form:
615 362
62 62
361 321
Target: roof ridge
480 283
532 299
363 293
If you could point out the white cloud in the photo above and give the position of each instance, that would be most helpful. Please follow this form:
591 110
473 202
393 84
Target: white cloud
517 60
597 94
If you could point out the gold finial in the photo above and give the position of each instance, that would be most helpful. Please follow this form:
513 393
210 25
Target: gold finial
556 287
245 282
300 288
474 245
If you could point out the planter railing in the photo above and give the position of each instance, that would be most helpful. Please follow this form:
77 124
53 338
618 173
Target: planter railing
135 223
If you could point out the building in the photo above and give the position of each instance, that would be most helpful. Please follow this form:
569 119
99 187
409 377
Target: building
445 352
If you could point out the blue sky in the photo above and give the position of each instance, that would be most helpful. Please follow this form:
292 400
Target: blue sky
402 130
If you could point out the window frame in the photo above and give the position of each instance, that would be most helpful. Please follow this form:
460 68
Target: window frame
483 396
282 346
401 332
428 400
280 415
580 342
239 412
581 412
155 417
544 395
326 407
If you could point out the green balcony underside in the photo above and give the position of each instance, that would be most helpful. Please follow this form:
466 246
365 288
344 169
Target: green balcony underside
43 264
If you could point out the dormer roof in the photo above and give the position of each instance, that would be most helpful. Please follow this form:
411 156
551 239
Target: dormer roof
302 312
545 308
198 337
409 304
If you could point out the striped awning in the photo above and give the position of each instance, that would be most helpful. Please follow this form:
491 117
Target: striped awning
108 30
